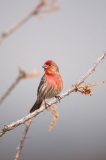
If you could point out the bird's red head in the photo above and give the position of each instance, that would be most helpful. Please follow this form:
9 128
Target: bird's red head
50 67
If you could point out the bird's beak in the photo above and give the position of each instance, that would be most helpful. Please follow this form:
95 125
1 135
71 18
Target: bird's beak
45 66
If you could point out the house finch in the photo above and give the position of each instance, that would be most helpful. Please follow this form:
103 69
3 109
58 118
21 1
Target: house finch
50 85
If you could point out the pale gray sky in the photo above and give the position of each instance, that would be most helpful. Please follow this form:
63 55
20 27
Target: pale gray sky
74 38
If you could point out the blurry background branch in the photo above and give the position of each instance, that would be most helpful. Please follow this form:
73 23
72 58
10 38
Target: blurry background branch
22 75
22 140
55 116
74 88
44 6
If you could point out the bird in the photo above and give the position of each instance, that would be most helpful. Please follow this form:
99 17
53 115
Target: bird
50 86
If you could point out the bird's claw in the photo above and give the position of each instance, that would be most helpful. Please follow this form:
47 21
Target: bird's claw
58 97
47 106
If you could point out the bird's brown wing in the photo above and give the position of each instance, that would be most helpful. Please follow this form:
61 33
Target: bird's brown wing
41 87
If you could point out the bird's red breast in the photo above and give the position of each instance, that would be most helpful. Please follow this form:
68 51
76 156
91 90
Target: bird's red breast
55 80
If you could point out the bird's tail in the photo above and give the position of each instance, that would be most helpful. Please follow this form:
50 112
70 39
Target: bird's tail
36 106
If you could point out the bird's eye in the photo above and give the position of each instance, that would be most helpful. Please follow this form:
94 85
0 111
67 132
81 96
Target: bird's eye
49 64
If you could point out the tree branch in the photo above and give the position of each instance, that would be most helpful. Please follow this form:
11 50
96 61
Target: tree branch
49 7
13 125
22 75
22 140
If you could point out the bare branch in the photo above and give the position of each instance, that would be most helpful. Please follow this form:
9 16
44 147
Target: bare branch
13 125
49 7
22 75
22 140
92 69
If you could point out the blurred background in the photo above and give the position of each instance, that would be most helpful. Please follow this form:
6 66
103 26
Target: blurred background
74 37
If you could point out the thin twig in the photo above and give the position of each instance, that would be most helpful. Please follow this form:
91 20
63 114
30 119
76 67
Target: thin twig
13 125
49 7
22 140
22 75
55 116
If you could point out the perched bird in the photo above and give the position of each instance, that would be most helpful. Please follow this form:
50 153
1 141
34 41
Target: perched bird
50 85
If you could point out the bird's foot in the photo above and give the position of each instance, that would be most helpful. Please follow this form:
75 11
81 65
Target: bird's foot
58 97
47 106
